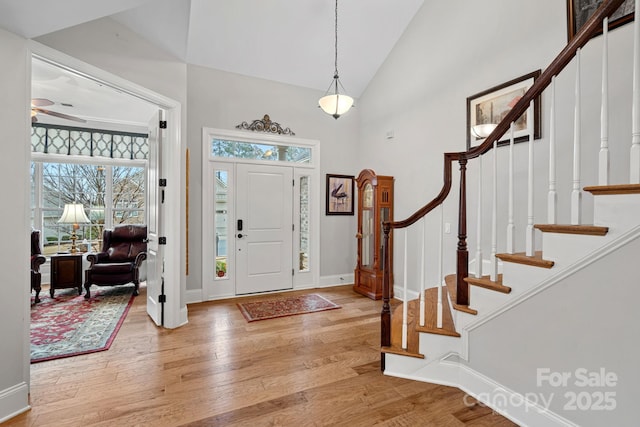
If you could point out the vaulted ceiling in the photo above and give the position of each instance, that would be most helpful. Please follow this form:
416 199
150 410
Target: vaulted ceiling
289 41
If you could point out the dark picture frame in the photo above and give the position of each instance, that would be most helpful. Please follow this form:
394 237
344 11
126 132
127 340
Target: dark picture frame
340 194
491 105
579 11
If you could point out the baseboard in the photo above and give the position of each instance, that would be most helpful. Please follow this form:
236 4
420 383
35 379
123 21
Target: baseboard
398 293
335 280
184 316
14 401
518 408
192 296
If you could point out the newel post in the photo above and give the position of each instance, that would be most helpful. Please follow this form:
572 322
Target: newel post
385 315
462 268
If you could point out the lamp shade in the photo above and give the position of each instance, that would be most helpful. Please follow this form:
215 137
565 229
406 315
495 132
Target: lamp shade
335 104
73 214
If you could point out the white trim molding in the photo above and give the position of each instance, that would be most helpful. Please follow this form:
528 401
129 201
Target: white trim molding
449 371
14 401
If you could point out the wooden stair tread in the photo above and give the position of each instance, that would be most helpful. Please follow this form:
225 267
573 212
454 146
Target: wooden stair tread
522 258
590 230
487 283
450 281
601 190
431 315
413 337
401 352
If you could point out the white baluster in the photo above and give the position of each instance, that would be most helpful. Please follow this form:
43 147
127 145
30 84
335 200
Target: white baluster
493 268
511 228
603 157
552 198
635 110
576 193
479 223
405 302
440 258
422 272
530 241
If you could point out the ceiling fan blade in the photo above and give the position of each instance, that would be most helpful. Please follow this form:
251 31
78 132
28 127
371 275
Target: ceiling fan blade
60 115
41 102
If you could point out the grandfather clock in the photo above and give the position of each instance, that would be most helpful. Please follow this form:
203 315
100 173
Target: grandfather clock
375 205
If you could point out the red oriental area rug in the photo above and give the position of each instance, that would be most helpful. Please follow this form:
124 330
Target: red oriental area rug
68 325
270 309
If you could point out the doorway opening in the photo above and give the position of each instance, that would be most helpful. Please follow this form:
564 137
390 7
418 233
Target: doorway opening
87 90
260 213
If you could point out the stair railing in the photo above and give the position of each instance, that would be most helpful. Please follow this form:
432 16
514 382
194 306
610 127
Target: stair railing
572 49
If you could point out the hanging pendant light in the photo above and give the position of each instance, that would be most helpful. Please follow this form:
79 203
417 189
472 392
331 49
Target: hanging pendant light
336 103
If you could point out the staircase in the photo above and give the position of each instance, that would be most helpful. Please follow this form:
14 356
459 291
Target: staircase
472 330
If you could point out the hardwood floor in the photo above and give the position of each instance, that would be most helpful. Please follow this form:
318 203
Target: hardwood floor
316 369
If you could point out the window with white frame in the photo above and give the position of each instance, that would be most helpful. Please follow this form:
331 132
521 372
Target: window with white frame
112 189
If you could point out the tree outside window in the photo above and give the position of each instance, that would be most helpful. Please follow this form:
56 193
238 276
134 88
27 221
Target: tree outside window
90 185
128 195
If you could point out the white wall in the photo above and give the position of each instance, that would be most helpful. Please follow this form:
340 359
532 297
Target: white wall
219 99
447 54
14 162
222 100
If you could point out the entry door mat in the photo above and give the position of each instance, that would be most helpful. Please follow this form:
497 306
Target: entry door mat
282 307
68 325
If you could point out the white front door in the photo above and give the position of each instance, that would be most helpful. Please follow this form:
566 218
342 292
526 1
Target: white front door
263 228
155 259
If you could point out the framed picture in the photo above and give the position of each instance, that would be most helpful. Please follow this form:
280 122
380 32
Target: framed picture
579 11
339 194
492 105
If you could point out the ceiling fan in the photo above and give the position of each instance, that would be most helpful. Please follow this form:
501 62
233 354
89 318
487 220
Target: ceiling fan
36 105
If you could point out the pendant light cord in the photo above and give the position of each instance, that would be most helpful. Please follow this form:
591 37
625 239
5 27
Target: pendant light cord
336 42
335 104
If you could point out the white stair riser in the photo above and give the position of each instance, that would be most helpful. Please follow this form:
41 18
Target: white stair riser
396 365
525 276
473 268
430 369
565 249
461 319
434 346
486 267
485 300
618 211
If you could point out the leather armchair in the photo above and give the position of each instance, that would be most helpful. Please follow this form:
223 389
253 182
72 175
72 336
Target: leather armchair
123 250
37 259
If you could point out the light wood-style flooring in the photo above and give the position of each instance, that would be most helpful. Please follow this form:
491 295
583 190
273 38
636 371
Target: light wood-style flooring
319 369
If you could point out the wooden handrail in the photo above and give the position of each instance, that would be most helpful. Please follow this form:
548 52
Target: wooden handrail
590 28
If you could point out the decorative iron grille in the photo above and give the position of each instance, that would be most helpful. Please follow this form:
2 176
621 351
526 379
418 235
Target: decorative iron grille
72 141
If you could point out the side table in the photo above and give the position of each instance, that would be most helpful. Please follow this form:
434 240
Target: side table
66 272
